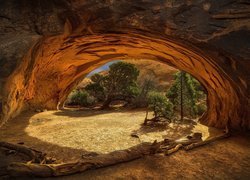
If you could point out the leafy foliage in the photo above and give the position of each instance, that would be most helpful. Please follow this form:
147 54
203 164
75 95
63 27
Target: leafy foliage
96 90
160 105
192 92
81 98
119 83
120 78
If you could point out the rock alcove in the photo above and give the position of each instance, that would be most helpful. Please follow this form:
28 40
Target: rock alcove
69 39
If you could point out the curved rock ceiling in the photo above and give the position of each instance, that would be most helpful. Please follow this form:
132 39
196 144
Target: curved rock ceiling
68 39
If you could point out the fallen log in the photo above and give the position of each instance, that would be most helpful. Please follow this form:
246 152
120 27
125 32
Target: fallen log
103 160
210 140
156 120
173 150
34 155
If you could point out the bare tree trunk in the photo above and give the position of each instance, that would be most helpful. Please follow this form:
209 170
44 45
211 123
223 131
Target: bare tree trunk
202 143
146 118
106 103
181 96
34 155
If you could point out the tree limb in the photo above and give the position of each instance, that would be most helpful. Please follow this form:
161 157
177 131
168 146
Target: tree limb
48 170
36 156
198 144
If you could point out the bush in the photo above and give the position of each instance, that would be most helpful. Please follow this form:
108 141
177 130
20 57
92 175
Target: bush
81 97
160 104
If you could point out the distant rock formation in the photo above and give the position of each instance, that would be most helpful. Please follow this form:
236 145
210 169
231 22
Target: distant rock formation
162 74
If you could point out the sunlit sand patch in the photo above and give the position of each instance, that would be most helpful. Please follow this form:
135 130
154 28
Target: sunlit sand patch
104 132
206 131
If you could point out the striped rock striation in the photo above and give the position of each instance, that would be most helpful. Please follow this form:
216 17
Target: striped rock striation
48 46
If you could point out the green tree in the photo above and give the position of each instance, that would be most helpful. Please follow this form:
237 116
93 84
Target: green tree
96 88
185 93
81 98
118 84
160 105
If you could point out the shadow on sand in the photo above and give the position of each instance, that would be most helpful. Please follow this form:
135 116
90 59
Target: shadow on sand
14 132
171 130
78 112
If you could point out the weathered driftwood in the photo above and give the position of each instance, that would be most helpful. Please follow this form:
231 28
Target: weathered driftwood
34 155
156 119
173 150
103 160
48 170
201 143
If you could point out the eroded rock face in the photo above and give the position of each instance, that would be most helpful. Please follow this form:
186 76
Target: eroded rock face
209 39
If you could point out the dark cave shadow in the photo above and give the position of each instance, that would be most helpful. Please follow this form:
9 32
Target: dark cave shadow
15 133
76 112
173 130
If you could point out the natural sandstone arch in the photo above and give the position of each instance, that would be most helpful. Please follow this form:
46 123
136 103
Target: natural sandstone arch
55 64
69 38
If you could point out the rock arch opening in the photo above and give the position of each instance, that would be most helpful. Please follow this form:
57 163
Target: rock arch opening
47 46
84 125
182 90
55 64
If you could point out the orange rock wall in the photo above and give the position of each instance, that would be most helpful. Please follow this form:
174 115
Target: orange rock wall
205 39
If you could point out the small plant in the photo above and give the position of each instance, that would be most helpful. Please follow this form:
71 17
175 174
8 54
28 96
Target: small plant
161 106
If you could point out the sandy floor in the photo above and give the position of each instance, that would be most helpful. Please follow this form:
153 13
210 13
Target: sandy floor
228 159
98 131
67 135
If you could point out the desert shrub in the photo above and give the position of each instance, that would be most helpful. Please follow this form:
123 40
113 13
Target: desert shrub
160 105
81 98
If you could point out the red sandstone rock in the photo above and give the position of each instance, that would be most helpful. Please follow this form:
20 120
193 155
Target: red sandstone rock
210 40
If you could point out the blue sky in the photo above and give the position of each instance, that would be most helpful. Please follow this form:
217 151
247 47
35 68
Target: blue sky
102 68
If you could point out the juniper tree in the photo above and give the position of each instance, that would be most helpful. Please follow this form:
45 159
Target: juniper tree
118 84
